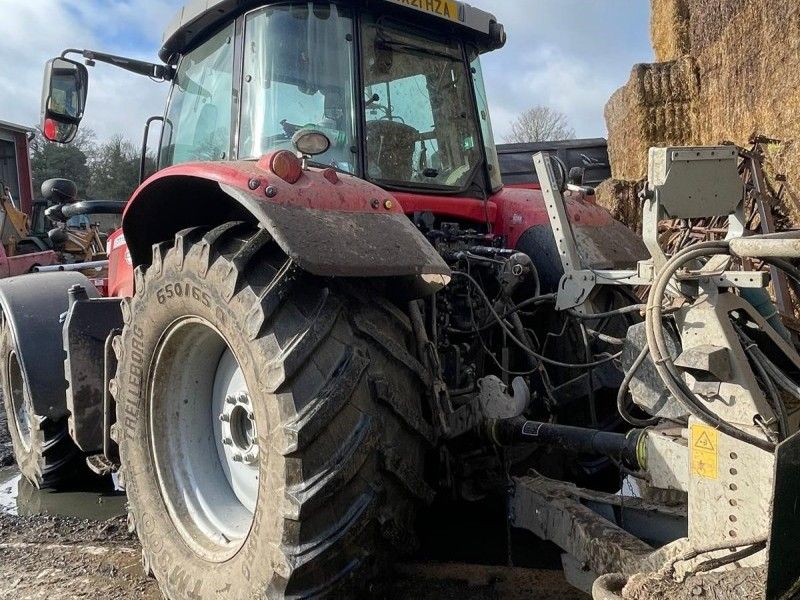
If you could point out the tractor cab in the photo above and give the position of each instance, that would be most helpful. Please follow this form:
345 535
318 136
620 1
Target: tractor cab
395 87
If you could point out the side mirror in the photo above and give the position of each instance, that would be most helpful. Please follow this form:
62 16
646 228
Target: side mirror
497 36
66 84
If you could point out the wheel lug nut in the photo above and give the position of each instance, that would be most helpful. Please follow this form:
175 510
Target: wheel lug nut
237 458
250 458
225 418
231 399
244 398
227 441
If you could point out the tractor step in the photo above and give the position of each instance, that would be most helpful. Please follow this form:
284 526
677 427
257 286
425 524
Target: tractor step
100 465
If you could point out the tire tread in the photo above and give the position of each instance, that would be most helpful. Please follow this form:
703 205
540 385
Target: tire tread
342 507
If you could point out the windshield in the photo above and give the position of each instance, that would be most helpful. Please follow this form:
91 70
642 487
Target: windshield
298 72
420 121
405 108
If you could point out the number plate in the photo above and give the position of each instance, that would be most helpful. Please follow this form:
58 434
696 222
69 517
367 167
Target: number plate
447 9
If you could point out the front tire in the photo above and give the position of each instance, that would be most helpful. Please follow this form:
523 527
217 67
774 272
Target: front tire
270 423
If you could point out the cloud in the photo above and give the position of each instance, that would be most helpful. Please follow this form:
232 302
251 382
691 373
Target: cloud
133 23
567 54
545 75
33 31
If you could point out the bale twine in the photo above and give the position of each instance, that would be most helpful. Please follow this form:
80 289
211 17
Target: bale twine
734 71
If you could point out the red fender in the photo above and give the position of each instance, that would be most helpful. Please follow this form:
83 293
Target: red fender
330 224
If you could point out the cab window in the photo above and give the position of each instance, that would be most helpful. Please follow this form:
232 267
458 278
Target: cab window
421 129
493 162
299 73
198 123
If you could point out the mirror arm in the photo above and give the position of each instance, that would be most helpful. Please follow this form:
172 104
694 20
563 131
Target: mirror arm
140 67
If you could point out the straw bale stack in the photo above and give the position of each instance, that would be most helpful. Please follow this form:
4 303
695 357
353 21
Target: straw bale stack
669 29
657 106
620 198
727 69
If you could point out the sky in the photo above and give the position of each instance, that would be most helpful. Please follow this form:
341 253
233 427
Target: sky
569 55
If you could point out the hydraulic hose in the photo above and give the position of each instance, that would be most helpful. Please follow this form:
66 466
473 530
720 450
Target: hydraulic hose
622 394
761 301
625 310
715 563
656 341
761 362
785 266
522 345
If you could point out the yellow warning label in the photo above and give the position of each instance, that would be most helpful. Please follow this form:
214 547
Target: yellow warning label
704 443
705 452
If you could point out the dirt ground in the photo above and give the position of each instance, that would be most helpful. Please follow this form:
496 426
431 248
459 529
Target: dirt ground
66 558
44 557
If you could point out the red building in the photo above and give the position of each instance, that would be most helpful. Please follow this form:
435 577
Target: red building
15 166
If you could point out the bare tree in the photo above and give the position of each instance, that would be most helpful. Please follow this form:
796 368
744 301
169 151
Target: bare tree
540 124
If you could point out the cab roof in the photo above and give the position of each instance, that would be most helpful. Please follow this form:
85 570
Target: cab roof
199 17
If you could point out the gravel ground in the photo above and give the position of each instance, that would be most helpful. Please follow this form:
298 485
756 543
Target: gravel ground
58 557
65 558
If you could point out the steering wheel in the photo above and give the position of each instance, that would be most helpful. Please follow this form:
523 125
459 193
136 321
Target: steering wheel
387 116
393 118
381 107
289 129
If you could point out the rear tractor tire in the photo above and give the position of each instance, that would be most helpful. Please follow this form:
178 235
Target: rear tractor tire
45 453
270 423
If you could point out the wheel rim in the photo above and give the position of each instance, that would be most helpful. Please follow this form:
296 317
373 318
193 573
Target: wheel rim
203 438
22 415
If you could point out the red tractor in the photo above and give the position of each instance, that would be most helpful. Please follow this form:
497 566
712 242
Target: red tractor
315 303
